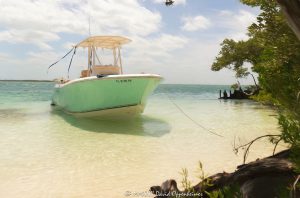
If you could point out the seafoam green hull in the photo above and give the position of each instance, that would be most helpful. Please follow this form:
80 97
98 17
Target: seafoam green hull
112 92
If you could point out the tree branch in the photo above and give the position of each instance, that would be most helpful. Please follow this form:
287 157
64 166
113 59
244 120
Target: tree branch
248 145
295 186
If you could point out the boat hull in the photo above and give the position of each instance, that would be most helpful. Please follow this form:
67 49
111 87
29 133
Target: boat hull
113 94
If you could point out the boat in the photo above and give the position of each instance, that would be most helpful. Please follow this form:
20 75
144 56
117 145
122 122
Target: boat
103 89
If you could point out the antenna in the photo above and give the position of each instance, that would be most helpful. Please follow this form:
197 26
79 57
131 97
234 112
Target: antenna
89 25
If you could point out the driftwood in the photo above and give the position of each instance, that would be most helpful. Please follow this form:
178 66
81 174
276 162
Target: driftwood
246 147
265 177
238 94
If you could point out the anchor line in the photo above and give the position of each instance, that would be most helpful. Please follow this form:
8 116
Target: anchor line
60 58
71 61
190 118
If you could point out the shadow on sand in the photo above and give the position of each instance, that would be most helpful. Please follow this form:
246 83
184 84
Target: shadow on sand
141 125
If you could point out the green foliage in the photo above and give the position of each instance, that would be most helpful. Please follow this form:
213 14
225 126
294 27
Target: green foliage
234 86
228 191
296 158
234 54
291 127
232 191
273 50
265 98
261 3
206 181
185 182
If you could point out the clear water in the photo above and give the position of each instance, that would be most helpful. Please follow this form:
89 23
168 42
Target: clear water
45 153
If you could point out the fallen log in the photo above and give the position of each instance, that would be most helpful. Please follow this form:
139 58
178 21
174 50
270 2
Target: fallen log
237 94
268 177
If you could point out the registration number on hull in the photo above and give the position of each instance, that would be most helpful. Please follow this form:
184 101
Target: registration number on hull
124 81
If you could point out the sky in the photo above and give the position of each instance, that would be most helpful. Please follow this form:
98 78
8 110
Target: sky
179 42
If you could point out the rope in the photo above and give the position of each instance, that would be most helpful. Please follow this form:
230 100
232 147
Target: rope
71 60
190 118
60 58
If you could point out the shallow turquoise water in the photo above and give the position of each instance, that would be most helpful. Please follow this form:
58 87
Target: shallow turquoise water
45 153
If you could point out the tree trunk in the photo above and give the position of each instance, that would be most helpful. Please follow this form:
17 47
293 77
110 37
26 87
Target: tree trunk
291 9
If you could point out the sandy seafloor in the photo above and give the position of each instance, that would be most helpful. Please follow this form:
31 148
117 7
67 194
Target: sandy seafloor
46 153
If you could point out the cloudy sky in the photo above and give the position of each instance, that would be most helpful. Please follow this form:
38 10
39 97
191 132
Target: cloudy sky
179 42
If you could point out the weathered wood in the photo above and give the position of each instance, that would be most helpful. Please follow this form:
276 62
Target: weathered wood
237 94
261 178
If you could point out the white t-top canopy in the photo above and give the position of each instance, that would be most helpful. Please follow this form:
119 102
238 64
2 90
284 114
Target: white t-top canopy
108 42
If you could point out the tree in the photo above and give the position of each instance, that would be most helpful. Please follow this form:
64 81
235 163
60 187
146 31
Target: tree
273 50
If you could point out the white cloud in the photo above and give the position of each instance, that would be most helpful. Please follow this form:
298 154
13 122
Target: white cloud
236 23
142 54
37 37
68 45
40 22
124 17
176 2
195 23
193 64
155 50
4 56
177 58
188 64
